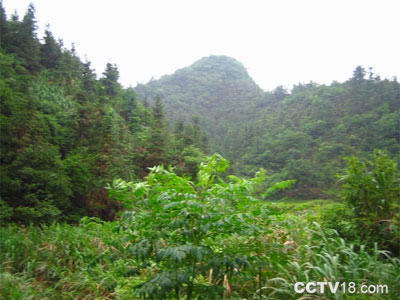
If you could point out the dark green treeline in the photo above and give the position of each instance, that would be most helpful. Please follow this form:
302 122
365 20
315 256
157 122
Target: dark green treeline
66 133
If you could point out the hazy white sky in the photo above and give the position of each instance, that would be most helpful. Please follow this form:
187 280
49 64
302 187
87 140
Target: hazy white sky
280 42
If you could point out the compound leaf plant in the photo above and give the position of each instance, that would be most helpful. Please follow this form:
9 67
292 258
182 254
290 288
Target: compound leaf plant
192 238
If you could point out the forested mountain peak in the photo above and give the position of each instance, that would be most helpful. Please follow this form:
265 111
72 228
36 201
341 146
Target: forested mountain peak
301 134
226 66
215 90
215 72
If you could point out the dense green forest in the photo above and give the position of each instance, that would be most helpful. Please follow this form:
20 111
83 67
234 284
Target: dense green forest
199 185
302 134
66 133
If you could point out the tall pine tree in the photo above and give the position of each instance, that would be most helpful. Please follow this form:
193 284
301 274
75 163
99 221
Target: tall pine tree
50 51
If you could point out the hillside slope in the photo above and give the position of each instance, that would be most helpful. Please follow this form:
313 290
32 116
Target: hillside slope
216 89
306 135
302 134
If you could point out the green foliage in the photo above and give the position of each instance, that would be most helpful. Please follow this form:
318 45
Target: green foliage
183 228
372 189
35 184
339 217
191 229
215 164
14 287
50 51
110 80
62 261
215 91
327 257
65 133
108 260
302 134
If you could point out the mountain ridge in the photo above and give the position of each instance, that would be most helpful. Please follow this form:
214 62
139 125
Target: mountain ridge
302 134
212 87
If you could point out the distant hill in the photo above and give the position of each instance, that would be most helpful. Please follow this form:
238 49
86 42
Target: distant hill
302 134
215 89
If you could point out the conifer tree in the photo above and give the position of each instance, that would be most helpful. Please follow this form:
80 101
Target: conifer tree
129 107
179 132
11 40
158 112
70 70
158 136
3 24
358 74
50 51
88 77
60 142
29 49
110 79
196 131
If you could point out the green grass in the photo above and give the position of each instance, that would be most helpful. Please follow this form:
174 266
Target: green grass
93 260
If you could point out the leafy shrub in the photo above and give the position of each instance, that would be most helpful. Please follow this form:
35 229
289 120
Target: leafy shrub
184 231
372 190
339 217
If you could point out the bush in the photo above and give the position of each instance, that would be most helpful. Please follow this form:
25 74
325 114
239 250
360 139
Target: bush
195 238
372 189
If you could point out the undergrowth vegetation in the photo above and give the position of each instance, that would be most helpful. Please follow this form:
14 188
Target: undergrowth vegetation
209 239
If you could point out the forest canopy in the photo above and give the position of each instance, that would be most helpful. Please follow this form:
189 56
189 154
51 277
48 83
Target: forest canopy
65 133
